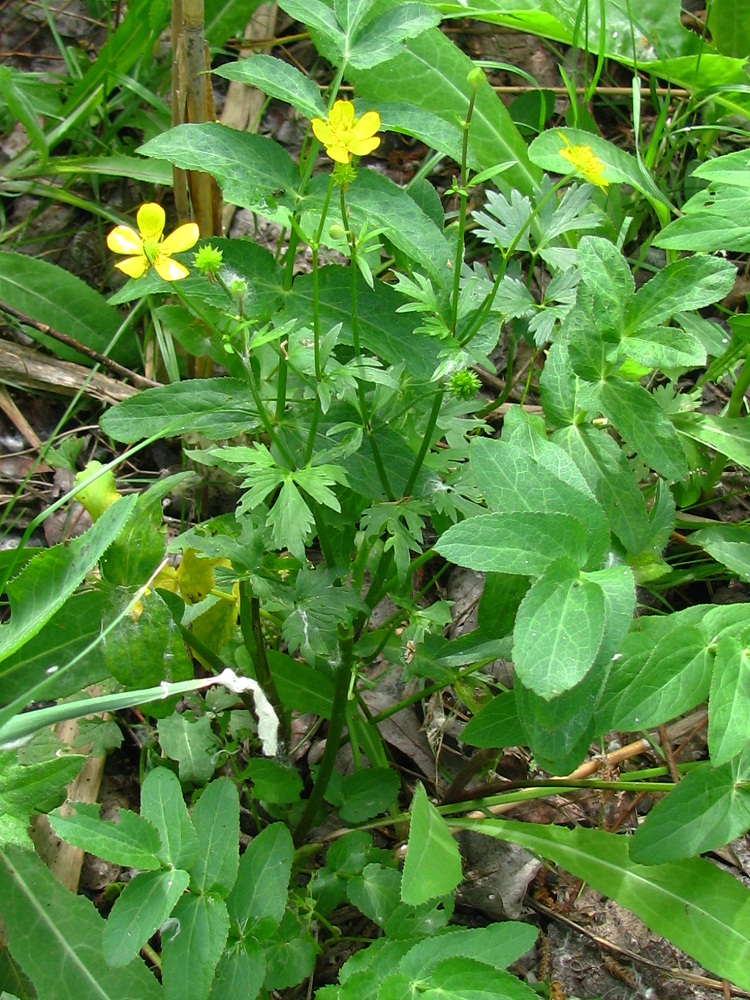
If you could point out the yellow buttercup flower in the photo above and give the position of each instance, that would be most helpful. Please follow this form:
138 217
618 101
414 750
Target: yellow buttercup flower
345 136
585 162
148 248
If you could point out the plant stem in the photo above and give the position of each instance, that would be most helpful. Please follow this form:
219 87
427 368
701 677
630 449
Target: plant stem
361 392
252 634
342 675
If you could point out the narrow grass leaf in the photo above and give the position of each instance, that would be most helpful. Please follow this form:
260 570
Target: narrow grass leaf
702 910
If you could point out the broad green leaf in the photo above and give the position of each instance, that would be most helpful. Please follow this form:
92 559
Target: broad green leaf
707 809
290 953
253 171
216 819
617 585
607 274
300 686
730 170
351 13
729 24
377 893
260 893
497 724
619 167
45 920
132 842
375 199
240 973
496 945
50 578
460 979
191 743
664 347
23 786
709 230
319 17
217 408
513 481
558 631
701 910
610 478
382 37
433 864
729 701
644 426
46 657
192 942
730 436
690 283
367 793
277 79
559 731
382 331
654 681
145 652
431 74
728 544
518 543
139 911
273 782
162 805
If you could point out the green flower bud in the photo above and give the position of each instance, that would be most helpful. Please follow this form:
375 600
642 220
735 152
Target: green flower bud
476 78
238 289
464 385
208 260
336 232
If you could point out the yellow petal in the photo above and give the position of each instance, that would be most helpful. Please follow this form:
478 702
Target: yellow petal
341 115
151 219
183 238
134 267
361 147
339 153
123 239
322 131
170 270
367 125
